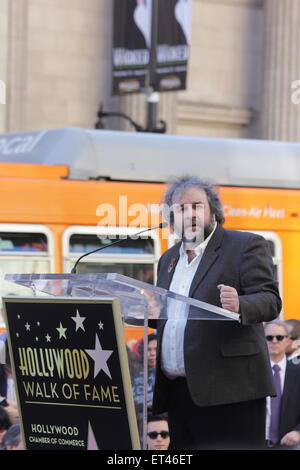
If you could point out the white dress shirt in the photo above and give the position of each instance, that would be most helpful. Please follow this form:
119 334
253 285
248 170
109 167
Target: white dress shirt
282 365
172 358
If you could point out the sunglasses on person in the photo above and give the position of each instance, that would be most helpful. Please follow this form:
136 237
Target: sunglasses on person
154 434
278 337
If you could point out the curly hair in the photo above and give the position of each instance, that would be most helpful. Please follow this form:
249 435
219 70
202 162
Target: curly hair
181 185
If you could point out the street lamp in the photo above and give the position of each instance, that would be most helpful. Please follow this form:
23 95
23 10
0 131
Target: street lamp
150 127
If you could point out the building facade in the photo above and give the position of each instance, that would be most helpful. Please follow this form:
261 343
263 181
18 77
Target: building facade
55 60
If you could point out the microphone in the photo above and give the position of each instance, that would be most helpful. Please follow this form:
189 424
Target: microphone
120 240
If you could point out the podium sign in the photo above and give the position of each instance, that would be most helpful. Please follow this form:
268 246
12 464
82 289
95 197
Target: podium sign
71 372
137 303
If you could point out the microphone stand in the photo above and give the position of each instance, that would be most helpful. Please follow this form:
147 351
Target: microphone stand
120 240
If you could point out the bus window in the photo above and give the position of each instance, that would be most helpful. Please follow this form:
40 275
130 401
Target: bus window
134 258
83 243
24 249
276 252
22 242
274 243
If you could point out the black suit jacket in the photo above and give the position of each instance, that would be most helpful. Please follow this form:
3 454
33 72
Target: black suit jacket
290 407
225 362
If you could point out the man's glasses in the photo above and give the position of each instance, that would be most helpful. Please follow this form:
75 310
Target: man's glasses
154 434
278 337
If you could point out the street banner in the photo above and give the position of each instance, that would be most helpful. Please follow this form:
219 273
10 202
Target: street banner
71 372
132 42
131 45
174 29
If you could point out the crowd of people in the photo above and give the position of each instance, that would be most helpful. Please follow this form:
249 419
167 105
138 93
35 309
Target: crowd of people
282 425
282 411
158 436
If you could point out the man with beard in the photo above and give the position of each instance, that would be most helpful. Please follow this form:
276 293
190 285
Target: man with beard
213 377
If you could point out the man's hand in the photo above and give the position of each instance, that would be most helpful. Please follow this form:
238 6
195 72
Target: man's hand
291 438
229 298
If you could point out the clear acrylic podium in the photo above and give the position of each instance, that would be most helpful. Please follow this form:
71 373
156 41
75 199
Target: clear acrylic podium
139 303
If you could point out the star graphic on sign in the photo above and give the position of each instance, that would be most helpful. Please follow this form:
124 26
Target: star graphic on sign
27 326
62 331
48 338
79 321
100 357
101 325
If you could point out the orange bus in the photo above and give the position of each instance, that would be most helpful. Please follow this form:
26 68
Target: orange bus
64 192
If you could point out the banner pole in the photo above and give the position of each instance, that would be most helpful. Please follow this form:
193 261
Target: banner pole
152 98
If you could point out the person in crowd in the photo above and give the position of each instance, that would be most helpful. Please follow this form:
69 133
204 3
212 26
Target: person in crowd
152 347
5 422
12 411
134 362
2 345
138 379
12 439
158 436
293 350
213 376
7 386
283 411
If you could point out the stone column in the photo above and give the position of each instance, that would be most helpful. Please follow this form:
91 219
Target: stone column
135 107
16 65
280 115
3 63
